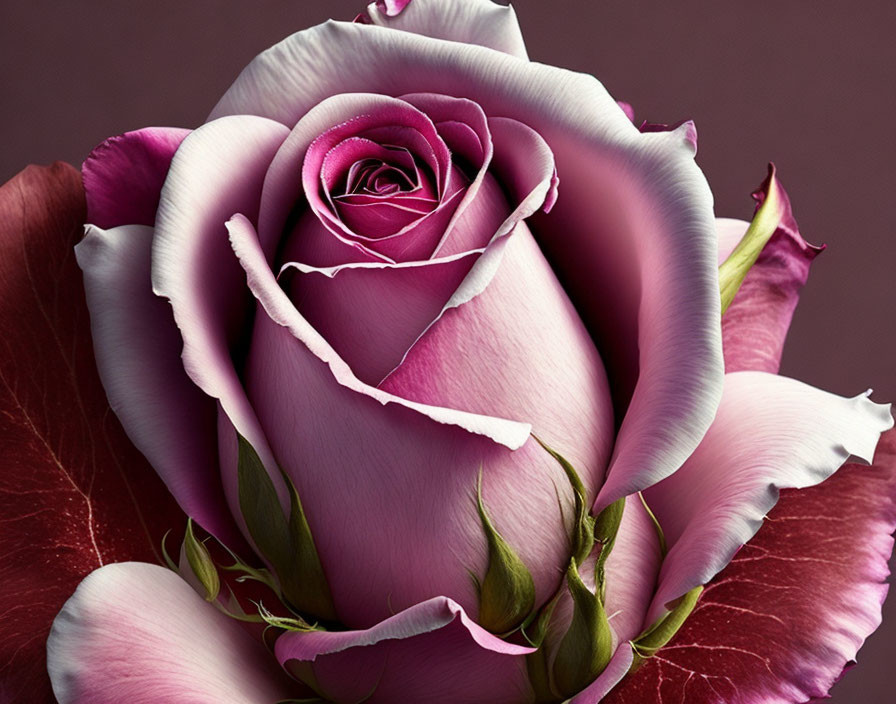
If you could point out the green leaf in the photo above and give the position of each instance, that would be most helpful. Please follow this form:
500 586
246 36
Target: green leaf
766 220
507 592
287 544
583 527
661 632
587 646
201 563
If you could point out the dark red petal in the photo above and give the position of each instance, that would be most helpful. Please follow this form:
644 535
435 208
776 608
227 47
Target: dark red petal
791 610
70 478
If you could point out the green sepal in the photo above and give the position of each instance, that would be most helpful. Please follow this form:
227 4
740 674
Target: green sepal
165 556
587 646
583 527
201 563
606 528
766 220
662 630
287 544
537 662
285 623
507 592
660 535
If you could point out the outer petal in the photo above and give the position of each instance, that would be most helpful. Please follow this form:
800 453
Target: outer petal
364 459
431 653
470 21
123 176
632 237
770 433
755 325
779 624
138 355
74 491
219 170
138 633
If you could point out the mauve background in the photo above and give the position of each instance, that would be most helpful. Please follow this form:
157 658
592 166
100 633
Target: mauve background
806 84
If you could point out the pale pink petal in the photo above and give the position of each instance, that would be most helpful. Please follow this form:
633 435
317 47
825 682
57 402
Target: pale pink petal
366 460
632 237
218 170
518 350
770 433
138 633
755 325
123 176
138 356
431 653
471 21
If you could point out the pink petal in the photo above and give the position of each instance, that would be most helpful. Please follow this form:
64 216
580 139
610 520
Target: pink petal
499 355
770 433
431 653
137 633
471 21
755 325
365 459
138 355
632 238
123 176
779 624
616 670
218 170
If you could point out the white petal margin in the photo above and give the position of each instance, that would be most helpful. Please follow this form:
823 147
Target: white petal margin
480 22
770 433
138 633
632 235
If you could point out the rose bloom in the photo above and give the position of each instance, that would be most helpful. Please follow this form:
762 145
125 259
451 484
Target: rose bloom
428 336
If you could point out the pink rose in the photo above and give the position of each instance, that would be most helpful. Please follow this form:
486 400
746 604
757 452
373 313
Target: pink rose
433 332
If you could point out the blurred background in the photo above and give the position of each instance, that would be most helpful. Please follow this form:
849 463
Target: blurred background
806 84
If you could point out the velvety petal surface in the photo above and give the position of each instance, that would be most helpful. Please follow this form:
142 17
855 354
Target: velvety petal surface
755 325
74 491
632 237
123 176
364 459
138 351
431 653
138 633
779 624
770 433
470 21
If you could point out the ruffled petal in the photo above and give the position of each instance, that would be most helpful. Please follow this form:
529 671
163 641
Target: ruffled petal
632 237
470 21
138 349
431 653
781 622
138 633
770 433
123 176
755 325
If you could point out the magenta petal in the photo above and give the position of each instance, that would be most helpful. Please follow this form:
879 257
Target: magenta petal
123 176
138 356
770 433
138 633
755 325
431 653
470 21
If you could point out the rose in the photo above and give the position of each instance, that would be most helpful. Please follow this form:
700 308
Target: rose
664 305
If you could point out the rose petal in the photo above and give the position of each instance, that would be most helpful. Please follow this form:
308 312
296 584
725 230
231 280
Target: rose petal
431 653
138 355
779 624
755 325
218 170
633 236
138 633
123 176
770 433
71 479
617 669
470 21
